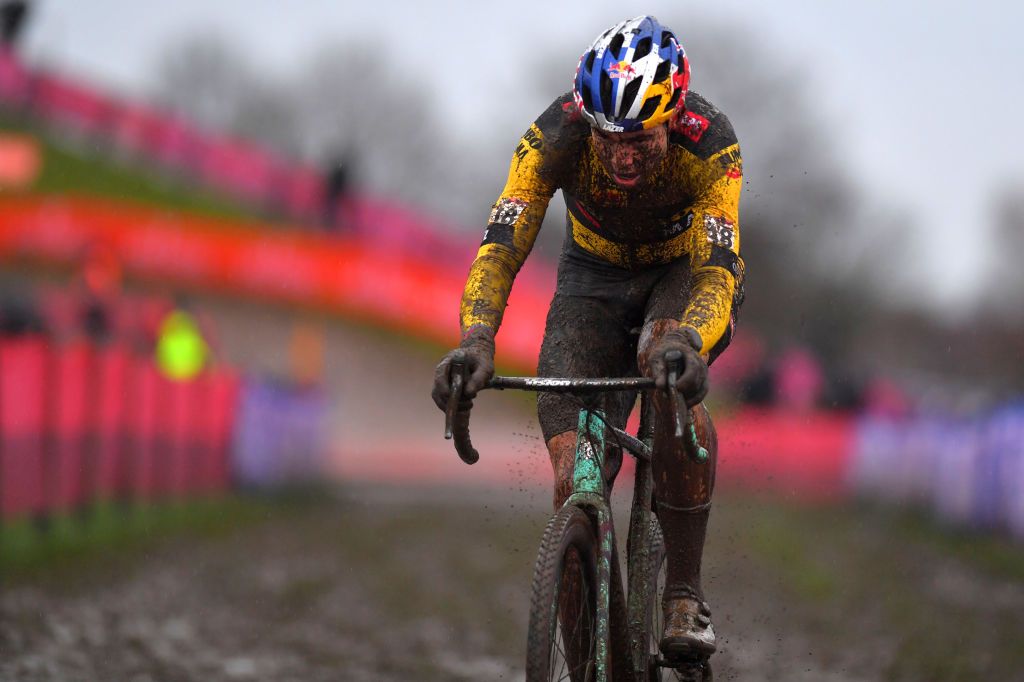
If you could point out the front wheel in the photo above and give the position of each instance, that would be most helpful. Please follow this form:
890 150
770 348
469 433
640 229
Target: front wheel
561 643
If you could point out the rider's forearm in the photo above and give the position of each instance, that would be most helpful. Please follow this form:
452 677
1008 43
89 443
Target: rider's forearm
710 305
488 285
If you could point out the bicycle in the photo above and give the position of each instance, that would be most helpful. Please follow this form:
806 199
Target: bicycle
574 566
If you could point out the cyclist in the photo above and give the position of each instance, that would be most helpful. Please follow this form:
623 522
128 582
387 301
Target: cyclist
651 176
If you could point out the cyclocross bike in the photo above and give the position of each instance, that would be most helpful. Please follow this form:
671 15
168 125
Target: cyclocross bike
579 627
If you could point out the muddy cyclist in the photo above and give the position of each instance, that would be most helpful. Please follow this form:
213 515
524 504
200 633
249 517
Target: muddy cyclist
651 176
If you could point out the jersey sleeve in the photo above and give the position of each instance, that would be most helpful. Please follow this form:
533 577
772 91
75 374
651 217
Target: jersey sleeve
714 245
515 219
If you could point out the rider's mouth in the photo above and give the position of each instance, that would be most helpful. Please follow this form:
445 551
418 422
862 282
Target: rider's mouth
627 180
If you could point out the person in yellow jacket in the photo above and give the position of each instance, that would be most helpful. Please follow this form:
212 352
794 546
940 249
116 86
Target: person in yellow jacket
181 351
651 174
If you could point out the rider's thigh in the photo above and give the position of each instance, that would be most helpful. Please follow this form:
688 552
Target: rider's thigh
584 337
650 334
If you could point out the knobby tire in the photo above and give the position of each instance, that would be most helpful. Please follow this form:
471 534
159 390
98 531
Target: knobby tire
561 644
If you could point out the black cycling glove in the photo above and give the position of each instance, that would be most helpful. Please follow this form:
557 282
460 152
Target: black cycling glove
692 382
478 346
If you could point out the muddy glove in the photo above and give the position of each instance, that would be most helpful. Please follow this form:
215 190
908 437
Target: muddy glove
692 383
478 345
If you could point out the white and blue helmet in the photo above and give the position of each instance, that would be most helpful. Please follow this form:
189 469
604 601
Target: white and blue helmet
634 76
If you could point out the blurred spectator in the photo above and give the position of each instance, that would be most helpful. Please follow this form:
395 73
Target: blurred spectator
306 355
339 213
13 14
883 398
99 290
19 316
182 350
759 388
799 380
842 390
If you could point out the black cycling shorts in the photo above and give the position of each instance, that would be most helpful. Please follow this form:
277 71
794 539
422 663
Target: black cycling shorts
593 328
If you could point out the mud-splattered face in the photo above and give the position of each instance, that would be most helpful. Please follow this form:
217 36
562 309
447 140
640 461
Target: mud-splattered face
631 158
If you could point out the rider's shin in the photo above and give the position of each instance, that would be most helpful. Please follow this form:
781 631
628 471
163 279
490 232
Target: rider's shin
682 490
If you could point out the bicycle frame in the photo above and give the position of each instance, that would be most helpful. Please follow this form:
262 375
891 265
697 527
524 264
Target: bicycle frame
589 494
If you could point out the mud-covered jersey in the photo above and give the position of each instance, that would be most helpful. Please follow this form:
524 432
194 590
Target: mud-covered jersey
688 207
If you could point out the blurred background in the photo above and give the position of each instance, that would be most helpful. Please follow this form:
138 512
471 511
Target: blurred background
233 237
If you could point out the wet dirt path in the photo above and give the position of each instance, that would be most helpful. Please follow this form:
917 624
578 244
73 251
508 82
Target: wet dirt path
388 583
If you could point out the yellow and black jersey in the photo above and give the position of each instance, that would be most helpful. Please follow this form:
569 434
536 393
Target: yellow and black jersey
688 208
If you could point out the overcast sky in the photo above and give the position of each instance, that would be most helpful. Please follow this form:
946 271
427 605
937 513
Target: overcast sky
924 97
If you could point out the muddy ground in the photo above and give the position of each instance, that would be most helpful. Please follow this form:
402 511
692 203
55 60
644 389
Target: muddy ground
388 583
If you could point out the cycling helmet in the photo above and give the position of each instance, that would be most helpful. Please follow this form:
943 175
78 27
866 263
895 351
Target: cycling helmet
633 77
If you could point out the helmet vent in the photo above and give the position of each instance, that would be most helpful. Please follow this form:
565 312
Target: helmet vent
661 73
643 48
587 97
590 60
606 94
666 39
673 100
629 95
616 45
650 106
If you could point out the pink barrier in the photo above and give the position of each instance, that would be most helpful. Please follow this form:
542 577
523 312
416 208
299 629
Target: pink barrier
70 104
70 468
240 168
178 397
134 128
112 372
81 424
245 169
142 429
803 454
222 398
15 81
303 193
22 426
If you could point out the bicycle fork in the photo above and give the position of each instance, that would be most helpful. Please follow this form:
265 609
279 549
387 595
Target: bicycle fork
589 493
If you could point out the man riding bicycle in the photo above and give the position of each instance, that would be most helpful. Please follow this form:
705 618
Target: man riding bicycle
651 175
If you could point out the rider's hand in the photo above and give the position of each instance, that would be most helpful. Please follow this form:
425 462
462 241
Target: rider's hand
478 345
692 382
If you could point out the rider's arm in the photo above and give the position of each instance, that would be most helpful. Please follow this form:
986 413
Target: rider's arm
515 219
715 248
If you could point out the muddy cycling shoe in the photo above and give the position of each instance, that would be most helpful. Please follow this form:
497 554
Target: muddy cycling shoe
688 632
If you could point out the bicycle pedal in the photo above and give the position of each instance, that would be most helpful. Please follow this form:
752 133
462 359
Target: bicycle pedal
688 668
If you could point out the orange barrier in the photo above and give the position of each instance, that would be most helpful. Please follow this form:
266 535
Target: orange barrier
403 292
80 424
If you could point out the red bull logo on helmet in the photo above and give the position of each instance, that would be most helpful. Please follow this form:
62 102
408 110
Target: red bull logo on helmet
622 70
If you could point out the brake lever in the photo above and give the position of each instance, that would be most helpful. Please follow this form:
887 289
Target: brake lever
673 363
458 376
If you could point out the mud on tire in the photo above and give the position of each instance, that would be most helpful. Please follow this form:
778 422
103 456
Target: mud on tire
561 641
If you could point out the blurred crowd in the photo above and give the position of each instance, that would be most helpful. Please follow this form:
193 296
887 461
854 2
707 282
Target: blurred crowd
93 307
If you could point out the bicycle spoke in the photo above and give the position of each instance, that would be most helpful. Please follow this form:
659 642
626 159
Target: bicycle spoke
568 658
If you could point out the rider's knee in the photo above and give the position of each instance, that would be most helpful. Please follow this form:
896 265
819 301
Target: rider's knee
650 334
